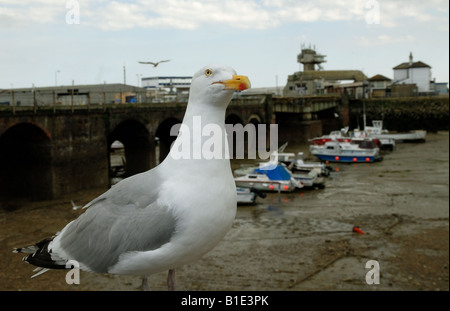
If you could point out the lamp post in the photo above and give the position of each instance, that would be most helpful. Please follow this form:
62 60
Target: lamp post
56 77
138 76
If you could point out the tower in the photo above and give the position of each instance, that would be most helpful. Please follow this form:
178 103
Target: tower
309 58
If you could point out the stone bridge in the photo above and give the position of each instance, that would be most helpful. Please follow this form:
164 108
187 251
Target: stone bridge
46 151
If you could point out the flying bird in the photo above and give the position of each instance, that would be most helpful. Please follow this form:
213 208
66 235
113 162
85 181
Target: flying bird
154 64
163 218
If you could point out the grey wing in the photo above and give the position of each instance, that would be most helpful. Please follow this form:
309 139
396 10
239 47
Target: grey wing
115 224
147 63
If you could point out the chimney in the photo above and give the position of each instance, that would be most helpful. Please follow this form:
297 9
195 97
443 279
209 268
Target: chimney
410 58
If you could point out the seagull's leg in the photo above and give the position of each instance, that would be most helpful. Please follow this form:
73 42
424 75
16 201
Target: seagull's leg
171 280
144 284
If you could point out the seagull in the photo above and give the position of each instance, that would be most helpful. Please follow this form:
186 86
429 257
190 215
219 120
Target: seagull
165 217
154 64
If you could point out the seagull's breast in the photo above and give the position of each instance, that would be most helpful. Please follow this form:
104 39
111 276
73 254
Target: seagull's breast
204 204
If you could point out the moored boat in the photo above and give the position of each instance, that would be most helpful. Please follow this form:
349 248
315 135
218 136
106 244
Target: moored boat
311 179
269 178
334 151
248 195
377 131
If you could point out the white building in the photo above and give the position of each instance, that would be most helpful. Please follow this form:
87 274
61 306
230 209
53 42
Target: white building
180 84
167 88
417 73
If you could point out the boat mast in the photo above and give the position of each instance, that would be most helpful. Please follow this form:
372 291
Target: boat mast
364 115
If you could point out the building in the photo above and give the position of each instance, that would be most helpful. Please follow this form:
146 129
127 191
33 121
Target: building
379 86
76 95
273 90
410 73
167 88
440 88
313 80
351 89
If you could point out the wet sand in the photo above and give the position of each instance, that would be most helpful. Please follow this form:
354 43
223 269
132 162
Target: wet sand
295 241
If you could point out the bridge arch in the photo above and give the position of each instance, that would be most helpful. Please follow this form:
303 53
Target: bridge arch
234 119
135 138
25 163
255 119
164 139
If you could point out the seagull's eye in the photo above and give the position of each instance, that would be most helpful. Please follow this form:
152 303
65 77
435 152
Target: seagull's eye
208 72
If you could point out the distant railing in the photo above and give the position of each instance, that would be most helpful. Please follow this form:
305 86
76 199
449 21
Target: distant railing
37 99
301 104
26 100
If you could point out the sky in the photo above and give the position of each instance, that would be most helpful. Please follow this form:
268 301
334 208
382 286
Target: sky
49 42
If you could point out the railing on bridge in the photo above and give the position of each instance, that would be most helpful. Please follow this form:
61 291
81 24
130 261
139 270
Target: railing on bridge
52 100
304 104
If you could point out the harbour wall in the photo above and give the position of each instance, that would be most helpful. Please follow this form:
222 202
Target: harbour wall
402 114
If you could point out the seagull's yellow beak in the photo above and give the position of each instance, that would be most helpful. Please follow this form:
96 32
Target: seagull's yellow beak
237 83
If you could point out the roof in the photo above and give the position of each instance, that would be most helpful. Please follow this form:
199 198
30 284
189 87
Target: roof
167 77
407 65
277 173
103 87
309 75
379 77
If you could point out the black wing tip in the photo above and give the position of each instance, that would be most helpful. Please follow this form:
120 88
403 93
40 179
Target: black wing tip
39 255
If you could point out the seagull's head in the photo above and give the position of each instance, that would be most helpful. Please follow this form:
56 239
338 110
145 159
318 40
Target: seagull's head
215 85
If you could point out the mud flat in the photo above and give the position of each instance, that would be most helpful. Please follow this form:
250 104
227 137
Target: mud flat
292 242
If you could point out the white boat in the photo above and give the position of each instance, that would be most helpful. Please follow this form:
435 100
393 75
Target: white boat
311 179
309 174
377 131
365 141
334 151
269 178
298 165
248 195
385 143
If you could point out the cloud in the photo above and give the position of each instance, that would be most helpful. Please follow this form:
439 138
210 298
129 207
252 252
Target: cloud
238 14
13 15
184 14
395 13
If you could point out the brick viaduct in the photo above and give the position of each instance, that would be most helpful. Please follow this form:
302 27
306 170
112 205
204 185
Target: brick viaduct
48 152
